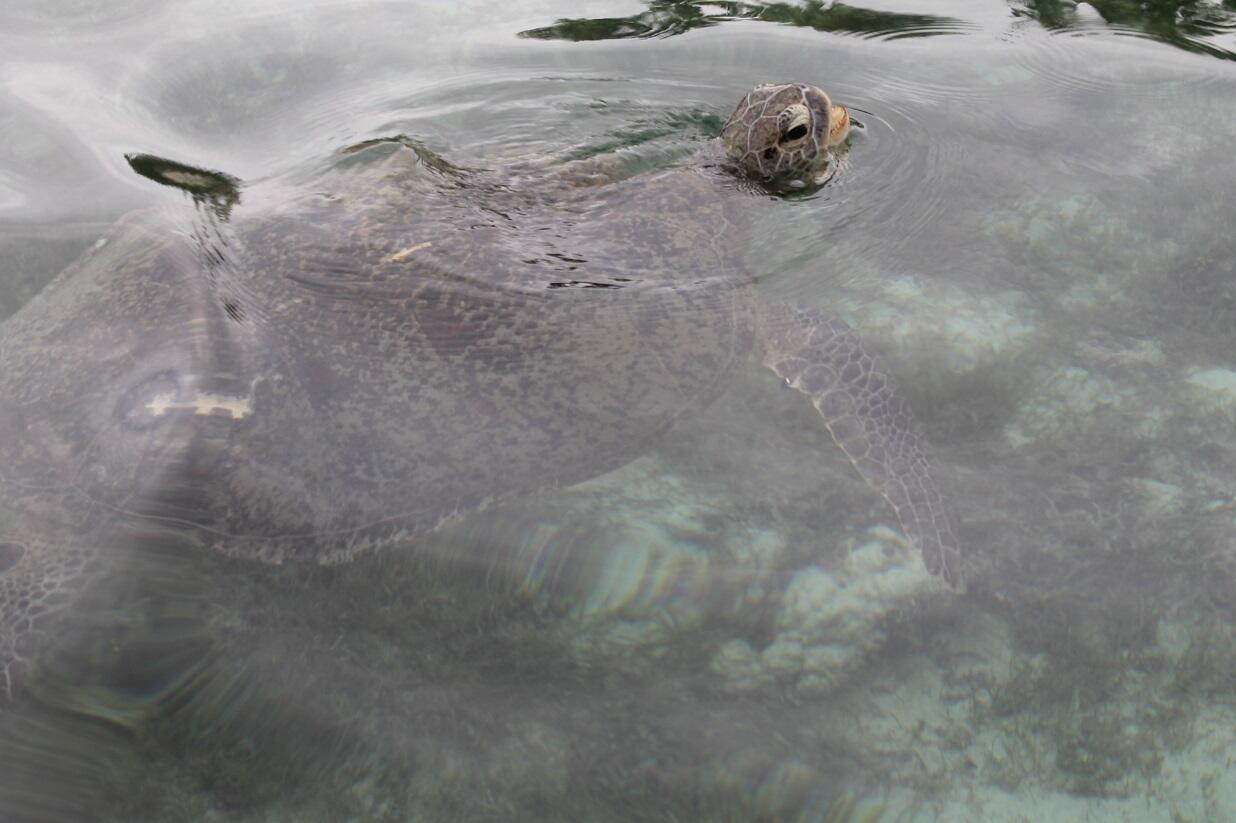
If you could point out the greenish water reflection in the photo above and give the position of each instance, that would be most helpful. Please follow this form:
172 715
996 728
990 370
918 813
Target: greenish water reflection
1185 24
665 18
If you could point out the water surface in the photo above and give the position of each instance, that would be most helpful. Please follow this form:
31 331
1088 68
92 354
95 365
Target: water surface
1032 228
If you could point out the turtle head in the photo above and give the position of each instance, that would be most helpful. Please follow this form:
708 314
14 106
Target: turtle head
780 134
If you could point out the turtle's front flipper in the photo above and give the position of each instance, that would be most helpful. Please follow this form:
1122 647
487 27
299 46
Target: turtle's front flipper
823 358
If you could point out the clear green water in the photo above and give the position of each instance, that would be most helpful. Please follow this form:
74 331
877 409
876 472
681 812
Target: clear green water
1034 229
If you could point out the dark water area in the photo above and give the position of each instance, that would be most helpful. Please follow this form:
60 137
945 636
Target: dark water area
624 573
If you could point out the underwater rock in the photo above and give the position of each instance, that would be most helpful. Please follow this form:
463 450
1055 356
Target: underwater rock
1214 389
963 331
1061 398
829 621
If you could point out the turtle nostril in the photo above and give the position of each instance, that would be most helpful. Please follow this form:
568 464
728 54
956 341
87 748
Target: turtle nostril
770 153
10 555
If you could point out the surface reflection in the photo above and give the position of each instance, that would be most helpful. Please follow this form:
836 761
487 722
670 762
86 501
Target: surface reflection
1193 25
665 18
1185 24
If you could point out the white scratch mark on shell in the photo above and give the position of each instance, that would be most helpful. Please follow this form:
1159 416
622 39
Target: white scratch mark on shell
237 408
402 253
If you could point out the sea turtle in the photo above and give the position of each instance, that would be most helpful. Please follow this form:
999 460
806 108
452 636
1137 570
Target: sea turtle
314 372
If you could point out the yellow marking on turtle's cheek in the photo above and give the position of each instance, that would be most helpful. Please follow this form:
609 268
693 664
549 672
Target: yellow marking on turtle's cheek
839 125
402 253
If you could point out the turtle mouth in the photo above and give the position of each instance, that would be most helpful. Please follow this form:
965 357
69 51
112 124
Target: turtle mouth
795 177
776 166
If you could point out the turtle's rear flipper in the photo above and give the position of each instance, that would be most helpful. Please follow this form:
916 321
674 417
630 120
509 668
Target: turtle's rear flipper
823 358
221 191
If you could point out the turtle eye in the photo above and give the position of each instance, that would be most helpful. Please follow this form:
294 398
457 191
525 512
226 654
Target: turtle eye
796 133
